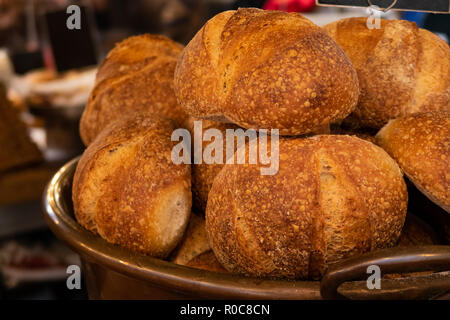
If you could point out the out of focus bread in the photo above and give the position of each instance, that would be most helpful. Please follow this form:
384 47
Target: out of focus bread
265 69
402 69
24 184
333 197
420 143
16 147
127 189
136 76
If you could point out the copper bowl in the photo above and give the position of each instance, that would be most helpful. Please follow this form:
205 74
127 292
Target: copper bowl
112 272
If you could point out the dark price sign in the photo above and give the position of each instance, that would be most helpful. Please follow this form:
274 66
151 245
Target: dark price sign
437 6
71 38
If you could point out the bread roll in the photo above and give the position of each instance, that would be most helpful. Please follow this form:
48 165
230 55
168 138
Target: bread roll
136 76
127 189
265 70
207 261
421 145
333 197
194 243
401 69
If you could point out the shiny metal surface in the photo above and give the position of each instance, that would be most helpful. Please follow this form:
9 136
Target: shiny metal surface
112 272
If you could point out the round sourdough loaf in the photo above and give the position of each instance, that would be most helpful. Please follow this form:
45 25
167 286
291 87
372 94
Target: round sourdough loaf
402 69
420 143
333 197
265 70
127 189
136 76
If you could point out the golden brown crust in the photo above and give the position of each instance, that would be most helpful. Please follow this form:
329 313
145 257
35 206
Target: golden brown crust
265 69
333 197
136 76
195 242
401 69
207 261
203 174
127 189
420 143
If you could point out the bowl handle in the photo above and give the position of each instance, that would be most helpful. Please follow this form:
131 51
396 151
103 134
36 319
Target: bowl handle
393 260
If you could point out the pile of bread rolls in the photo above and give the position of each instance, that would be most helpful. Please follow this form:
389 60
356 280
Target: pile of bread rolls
334 196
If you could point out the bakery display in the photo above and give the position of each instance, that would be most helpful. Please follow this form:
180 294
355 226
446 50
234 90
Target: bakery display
263 70
334 197
136 76
337 191
127 189
402 69
420 143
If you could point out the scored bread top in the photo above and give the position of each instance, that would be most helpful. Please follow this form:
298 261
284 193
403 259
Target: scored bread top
402 69
127 189
265 69
420 143
333 197
136 76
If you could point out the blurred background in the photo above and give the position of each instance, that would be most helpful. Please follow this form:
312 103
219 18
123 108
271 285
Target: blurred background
46 74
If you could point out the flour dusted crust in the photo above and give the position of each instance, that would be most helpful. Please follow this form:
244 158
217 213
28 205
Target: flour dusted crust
334 197
136 76
265 69
402 69
127 189
420 143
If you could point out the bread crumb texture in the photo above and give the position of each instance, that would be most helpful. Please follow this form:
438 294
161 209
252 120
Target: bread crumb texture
266 70
402 69
127 189
420 143
333 197
136 76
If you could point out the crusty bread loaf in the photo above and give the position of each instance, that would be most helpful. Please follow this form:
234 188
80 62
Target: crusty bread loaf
16 147
207 261
24 184
194 243
127 189
203 174
194 250
136 76
401 69
333 197
421 145
265 69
